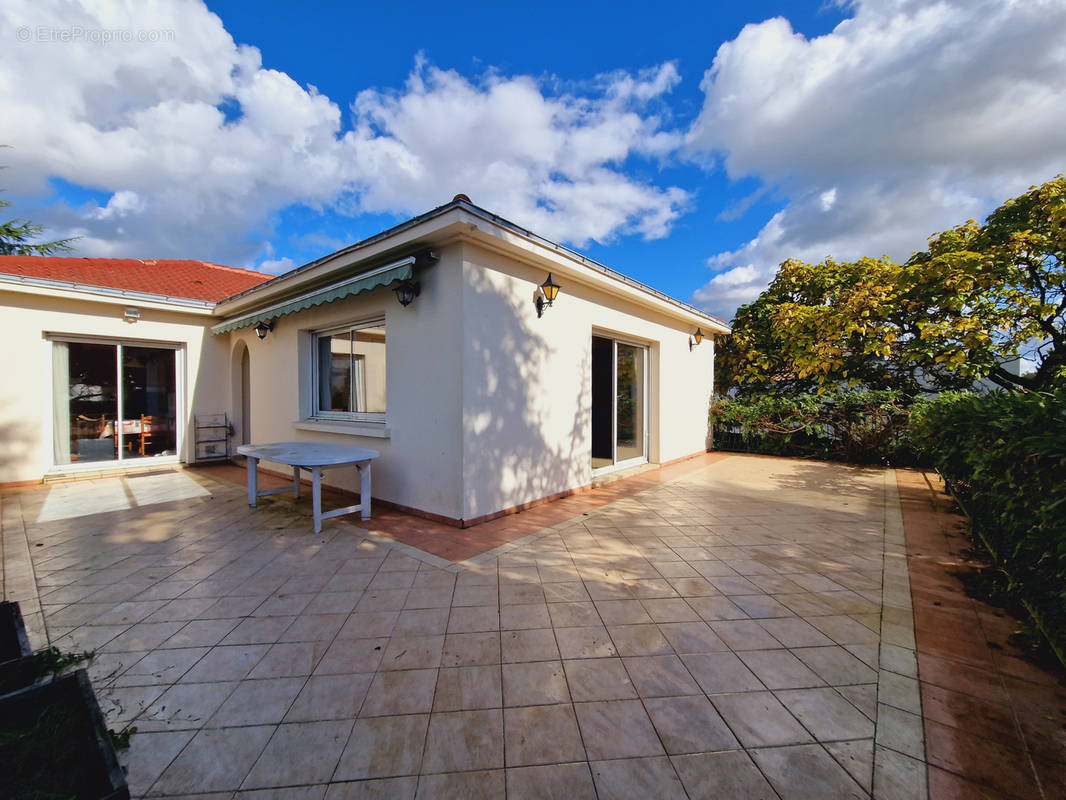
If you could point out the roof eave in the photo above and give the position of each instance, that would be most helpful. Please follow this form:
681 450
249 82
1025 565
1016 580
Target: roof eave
104 294
457 218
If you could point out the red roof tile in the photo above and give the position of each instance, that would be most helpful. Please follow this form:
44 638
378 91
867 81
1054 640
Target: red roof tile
193 280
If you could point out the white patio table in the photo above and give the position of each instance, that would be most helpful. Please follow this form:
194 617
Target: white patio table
313 457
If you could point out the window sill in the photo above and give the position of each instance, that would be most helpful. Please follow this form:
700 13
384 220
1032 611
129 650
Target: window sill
377 430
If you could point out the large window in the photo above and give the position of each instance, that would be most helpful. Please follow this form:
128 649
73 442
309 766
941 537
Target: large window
113 402
350 372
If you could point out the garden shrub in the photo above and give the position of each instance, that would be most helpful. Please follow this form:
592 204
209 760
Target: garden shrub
1004 457
856 426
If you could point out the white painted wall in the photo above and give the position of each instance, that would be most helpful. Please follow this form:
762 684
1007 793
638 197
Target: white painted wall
527 382
420 463
25 392
488 406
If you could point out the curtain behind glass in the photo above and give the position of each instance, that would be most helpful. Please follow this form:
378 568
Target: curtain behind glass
60 403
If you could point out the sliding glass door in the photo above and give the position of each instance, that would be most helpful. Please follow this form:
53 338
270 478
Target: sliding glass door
113 402
619 403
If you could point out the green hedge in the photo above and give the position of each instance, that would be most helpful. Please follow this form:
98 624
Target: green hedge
860 427
1004 457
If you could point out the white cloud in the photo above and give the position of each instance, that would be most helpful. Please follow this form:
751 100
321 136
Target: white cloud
908 118
276 266
143 122
550 163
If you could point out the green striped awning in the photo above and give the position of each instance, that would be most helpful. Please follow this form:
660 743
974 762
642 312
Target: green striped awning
382 276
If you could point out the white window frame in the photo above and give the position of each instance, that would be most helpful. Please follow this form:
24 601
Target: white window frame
318 413
645 348
48 431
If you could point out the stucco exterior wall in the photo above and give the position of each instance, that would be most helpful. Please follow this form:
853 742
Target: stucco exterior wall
488 407
25 394
527 381
420 463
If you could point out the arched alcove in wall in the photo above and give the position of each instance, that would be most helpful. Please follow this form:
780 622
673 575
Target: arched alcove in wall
240 393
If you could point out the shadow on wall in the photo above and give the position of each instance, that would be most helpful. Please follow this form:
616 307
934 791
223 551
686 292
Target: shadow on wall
522 444
19 443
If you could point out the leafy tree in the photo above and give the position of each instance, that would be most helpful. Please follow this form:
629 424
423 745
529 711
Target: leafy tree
945 318
1008 277
17 235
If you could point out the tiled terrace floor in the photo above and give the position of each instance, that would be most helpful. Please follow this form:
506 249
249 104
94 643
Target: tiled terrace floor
742 629
454 544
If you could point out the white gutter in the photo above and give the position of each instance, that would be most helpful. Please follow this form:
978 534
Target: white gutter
47 286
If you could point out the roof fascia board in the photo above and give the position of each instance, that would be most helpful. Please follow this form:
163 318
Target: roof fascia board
465 220
101 294
563 262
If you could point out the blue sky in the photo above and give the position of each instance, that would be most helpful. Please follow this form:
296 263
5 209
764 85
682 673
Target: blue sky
692 146
559 42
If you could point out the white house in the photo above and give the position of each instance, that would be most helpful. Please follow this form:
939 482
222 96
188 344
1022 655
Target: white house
480 395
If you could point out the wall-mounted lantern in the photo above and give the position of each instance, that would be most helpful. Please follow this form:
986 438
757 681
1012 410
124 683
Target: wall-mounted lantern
262 329
407 291
545 295
131 314
698 336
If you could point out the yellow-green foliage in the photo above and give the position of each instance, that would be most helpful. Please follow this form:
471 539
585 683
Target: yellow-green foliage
947 317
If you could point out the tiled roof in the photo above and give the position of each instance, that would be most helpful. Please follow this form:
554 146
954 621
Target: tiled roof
192 280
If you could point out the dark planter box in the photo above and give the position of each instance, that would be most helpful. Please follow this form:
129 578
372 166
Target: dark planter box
13 640
18 667
54 743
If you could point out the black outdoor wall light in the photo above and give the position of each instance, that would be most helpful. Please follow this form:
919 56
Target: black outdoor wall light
545 295
698 336
407 291
262 329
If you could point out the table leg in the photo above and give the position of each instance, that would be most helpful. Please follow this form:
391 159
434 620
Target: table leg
316 496
253 482
296 482
364 489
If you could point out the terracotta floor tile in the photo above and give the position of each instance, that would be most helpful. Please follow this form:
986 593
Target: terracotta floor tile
982 760
777 535
980 715
960 677
944 785
971 651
